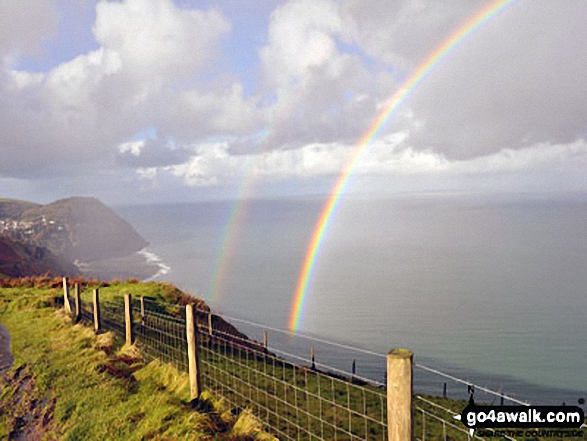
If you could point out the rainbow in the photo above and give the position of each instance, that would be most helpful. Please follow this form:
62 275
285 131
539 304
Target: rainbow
234 223
439 54
229 234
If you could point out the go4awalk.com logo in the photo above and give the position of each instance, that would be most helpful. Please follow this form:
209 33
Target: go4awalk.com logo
520 417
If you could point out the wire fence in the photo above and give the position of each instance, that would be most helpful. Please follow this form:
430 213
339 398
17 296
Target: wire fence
294 401
297 402
295 397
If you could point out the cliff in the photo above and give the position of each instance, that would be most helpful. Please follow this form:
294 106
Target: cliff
77 229
21 259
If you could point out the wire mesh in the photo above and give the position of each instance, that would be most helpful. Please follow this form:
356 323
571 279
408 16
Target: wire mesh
87 313
296 400
433 421
162 336
112 317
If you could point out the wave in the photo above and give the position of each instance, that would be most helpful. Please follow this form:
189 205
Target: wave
154 259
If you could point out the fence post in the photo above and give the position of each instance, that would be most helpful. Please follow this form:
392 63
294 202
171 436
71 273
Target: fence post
313 354
142 307
128 318
210 329
193 361
399 395
66 303
97 322
78 302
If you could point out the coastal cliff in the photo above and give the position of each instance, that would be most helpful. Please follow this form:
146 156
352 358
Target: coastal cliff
62 237
18 259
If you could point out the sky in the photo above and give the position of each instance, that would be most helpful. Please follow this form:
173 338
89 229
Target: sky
143 101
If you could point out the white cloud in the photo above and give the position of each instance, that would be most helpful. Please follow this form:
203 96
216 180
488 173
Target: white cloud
301 37
211 165
388 157
81 110
539 158
509 99
156 40
194 114
314 83
133 147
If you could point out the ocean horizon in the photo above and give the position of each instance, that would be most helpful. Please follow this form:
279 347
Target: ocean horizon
488 289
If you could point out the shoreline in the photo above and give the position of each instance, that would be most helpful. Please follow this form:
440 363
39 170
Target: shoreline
143 265
6 357
154 259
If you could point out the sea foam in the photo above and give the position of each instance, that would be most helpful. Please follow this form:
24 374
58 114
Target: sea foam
154 259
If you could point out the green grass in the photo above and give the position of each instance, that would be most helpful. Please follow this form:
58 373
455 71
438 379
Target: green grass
90 390
63 385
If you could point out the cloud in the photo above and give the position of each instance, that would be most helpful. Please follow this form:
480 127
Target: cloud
24 25
321 93
157 41
510 98
300 39
80 111
513 83
222 111
212 165
398 35
151 153
387 157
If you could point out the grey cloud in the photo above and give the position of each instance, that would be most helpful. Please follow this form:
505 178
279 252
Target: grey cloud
401 33
24 24
154 153
516 81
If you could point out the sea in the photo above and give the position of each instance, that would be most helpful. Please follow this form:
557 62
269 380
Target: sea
488 290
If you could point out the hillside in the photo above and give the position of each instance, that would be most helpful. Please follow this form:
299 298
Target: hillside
66 382
76 229
19 259
12 208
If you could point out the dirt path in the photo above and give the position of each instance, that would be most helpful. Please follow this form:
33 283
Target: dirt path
5 355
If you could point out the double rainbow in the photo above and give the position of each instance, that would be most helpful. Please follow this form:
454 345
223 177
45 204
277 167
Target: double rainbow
440 53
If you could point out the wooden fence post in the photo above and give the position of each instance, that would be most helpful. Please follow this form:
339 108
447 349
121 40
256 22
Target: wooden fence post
66 303
78 302
97 321
142 307
210 330
399 395
128 318
193 360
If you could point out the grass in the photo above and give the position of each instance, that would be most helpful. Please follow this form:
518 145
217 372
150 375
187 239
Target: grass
67 384
86 385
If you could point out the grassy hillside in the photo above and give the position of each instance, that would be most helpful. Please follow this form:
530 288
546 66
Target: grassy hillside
66 383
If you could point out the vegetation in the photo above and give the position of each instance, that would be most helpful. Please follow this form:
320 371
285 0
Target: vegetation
13 208
70 384
19 259
66 383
